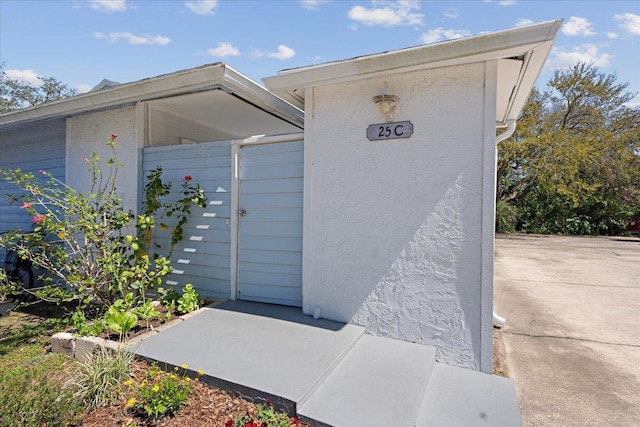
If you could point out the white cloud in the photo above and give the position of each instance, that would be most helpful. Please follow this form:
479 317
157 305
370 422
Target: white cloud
452 12
587 53
108 6
577 26
633 102
313 4
82 87
387 13
283 52
25 76
440 33
133 39
502 2
223 49
629 22
523 22
202 7
612 35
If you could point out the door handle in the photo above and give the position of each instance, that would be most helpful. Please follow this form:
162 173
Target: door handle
242 212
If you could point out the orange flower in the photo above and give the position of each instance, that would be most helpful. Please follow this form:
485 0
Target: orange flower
38 218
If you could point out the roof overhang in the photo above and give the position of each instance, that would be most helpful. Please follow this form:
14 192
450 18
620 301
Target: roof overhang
528 45
217 76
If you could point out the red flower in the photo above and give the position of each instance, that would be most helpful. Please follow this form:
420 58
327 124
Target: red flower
188 178
26 205
229 423
42 172
251 424
113 136
84 159
296 421
269 403
38 218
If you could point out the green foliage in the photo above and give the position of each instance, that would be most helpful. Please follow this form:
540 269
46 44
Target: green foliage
28 396
573 164
7 288
16 94
99 379
156 191
506 217
95 248
161 394
189 301
146 311
30 390
120 322
86 328
267 416
168 296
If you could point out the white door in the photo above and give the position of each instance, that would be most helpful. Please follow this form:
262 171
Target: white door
270 223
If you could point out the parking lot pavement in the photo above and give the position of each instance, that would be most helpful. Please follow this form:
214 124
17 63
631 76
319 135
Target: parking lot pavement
572 338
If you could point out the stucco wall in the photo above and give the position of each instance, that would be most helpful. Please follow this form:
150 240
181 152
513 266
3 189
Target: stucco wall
393 228
89 133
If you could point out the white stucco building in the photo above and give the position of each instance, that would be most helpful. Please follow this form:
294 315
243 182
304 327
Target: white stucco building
350 224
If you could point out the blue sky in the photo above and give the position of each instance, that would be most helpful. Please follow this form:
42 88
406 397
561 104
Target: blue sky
80 42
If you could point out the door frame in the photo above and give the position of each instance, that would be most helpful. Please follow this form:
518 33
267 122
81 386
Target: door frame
235 194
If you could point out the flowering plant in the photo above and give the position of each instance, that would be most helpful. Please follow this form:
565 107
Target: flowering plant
161 393
88 241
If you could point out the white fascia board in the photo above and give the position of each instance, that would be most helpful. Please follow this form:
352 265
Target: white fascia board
534 60
504 44
261 97
208 77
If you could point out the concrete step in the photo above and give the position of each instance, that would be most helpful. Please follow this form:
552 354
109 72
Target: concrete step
256 350
462 397
381 382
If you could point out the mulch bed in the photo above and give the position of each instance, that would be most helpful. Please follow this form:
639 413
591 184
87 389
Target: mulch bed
205 406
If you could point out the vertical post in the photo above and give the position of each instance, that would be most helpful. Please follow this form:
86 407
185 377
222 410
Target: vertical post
488 216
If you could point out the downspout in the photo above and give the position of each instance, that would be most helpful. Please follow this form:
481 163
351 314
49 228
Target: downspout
499 321
511 128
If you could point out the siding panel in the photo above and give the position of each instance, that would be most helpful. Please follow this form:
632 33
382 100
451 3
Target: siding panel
39 146
270 234
203 257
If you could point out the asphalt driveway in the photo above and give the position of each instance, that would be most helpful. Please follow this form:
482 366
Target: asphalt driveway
572 338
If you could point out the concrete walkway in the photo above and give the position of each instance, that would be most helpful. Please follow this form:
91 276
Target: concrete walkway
329 373
572 337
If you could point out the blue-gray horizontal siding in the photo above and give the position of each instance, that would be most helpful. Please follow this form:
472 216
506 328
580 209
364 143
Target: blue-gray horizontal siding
203 257
31 148
270 236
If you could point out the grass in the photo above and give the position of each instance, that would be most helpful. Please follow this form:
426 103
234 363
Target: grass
40 388
31 380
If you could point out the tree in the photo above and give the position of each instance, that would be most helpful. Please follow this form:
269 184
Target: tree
16 94
573 165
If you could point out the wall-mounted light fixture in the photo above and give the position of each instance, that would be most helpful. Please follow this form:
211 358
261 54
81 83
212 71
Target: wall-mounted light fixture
386 103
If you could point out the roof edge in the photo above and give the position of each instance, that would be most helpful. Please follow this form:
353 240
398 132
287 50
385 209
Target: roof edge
206 77
290 83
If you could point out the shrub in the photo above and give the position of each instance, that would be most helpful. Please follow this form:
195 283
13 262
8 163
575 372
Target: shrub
161 394
189 301
89 243
506 217
99 378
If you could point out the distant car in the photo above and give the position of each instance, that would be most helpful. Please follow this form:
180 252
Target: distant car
633 227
